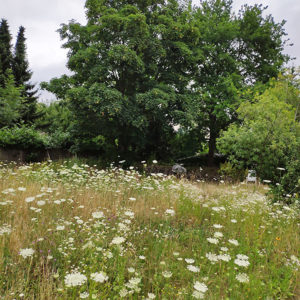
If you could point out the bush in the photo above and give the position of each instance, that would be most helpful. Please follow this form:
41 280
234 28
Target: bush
267 140
23 138
58 140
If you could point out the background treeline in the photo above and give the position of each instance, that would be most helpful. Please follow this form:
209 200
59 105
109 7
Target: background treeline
162 80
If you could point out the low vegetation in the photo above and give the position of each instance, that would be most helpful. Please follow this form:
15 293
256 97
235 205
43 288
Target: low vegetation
71 231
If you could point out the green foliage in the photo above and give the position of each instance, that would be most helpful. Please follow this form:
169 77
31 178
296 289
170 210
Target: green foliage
237 51
55 116
288 185
23 138
10 102
56 121
131 65
267 138
141 67
5 51
20 63
186 143
22 75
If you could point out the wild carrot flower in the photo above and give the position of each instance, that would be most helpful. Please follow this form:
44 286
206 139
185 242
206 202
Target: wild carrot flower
27 252
75 279
242 277
118 240
193 269
99 277
167 274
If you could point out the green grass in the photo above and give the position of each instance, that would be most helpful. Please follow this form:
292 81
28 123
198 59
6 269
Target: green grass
162 221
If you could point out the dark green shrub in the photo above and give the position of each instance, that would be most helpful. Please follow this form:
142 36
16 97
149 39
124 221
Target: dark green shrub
23 138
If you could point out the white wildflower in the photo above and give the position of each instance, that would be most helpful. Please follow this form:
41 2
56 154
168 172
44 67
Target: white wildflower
242 262
167 274
193 269
99 277
189 260
75 279
212 257
129 213
131 270
213 240
200 287
233 242
218 226
118 240
242 277
27 252
29 199
170 212
242 256
132 199
84 295
123 293
5 229
198 295
151 296
224 257
218 234
97 215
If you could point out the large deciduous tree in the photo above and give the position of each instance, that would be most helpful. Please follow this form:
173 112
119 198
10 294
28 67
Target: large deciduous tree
131 65
239 50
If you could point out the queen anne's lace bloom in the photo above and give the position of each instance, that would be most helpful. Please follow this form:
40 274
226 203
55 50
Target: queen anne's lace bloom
170 212
27 252
167 274
99 277
118 240
242 260
193 269
242 277
75 279
213 240
200 287
97 215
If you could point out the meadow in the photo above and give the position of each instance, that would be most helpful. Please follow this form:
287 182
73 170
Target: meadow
72 231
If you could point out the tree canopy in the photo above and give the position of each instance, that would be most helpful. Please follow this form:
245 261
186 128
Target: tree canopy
5 51
15 79
141 67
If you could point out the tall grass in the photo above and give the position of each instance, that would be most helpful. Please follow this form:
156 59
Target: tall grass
108 234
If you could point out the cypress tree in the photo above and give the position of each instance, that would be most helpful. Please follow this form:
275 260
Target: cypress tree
22 76
5 51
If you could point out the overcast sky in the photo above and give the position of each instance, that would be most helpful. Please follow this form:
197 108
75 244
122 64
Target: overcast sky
41 19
